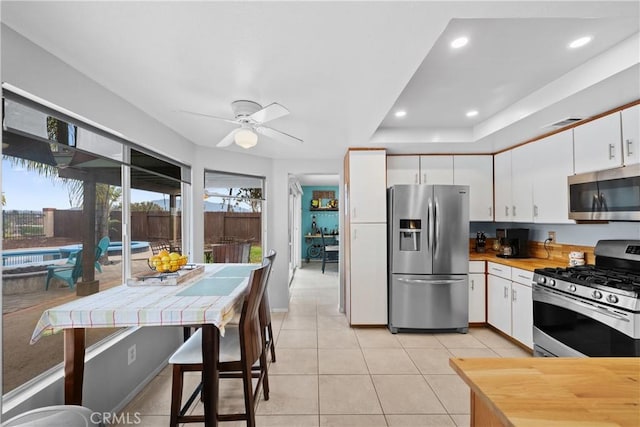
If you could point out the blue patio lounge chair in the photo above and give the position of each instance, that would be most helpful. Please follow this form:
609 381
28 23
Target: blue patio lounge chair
101 249
69 273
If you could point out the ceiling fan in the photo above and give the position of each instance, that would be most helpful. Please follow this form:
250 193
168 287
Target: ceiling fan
251 117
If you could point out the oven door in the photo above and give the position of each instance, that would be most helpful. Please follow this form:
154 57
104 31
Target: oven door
566 325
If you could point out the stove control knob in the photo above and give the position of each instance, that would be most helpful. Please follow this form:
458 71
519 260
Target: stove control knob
612 299
596 294
552 282
572 288
542 280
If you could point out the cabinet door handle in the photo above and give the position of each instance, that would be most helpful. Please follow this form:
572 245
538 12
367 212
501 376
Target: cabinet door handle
417 178
629 144
424 178
506 292
489 211
472 284
612 153
506 211
355 233
354 212
535 210
514 210
514 295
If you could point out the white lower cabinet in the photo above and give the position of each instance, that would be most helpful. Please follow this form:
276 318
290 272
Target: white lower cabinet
522 313
477 292
499 303
510 302
368 274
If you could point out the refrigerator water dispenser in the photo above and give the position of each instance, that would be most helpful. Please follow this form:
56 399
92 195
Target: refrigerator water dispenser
410 231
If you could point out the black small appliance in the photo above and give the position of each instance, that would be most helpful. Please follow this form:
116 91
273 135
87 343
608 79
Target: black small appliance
514 242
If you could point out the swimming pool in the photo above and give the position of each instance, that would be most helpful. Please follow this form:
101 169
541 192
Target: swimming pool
43 255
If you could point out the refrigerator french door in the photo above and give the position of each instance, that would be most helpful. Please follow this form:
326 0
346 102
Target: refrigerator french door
428 251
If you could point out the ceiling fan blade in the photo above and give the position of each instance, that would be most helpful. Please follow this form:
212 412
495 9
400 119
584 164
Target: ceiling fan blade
228 140
268 113
209 116
277 135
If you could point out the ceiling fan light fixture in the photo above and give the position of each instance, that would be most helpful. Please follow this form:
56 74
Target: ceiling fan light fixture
246 138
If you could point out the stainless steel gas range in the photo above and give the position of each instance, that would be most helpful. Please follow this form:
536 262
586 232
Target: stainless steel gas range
590 310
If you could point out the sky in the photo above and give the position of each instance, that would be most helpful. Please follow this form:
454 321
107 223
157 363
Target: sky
24 190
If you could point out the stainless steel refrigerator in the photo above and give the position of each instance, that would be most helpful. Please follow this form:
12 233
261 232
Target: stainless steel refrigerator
428 257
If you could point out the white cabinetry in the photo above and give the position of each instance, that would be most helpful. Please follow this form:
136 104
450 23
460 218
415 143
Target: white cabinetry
531 180
368 274
419 170
403 170
477 292
509 302
477 173
631 135
522 183
365 248
436 170
597 144
367 186
502 173
498 303
522 306
552 158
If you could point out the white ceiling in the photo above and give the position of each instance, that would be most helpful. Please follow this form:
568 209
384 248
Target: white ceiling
342 68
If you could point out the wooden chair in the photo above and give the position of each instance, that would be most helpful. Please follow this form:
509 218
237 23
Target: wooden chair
227 253
69 272
240 349
265 313
330 253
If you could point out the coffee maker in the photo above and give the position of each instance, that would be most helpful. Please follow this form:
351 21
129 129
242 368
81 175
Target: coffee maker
514 242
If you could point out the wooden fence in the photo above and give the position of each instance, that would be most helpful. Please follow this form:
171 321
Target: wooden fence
218 226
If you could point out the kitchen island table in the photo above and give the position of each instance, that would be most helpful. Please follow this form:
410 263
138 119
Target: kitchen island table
557 392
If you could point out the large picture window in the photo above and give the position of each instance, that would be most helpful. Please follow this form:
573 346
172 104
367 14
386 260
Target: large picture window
67 189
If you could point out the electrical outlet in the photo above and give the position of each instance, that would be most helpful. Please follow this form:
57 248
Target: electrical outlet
552 236
131 355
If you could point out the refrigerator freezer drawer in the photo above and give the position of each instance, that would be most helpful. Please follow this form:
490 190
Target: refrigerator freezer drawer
428 302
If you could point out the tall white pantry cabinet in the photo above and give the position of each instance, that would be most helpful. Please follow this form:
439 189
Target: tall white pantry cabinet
365 246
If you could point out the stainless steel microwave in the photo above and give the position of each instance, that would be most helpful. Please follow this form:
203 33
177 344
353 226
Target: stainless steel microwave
612 194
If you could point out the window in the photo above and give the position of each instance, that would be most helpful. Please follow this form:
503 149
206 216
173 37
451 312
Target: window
233 207
65 186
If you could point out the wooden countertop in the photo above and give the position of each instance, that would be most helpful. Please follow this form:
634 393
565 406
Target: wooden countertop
529 264
558 392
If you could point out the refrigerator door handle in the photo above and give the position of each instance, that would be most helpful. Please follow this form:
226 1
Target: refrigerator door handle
430 281
430 222
436 220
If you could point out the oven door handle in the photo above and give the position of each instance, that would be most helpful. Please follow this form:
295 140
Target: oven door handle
559 299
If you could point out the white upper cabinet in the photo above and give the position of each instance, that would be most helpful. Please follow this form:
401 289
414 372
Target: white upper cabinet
522 179
477 173
597 144
502 173
367 186
403 170
631 135
552 158
436 170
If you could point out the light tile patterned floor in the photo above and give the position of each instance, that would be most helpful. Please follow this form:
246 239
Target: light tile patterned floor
328 374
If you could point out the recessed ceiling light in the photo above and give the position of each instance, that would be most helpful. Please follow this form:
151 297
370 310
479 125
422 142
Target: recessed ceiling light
400 113
579 42
459 42
472 113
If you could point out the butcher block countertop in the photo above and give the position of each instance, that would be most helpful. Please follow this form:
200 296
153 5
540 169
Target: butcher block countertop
553 392
529 264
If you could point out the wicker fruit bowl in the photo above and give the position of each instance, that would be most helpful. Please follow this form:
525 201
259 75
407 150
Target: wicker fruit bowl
167 262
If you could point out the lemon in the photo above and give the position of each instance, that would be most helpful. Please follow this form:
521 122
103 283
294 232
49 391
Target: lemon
174 255
163 253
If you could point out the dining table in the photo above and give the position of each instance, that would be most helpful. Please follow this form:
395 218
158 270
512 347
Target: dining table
208 300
